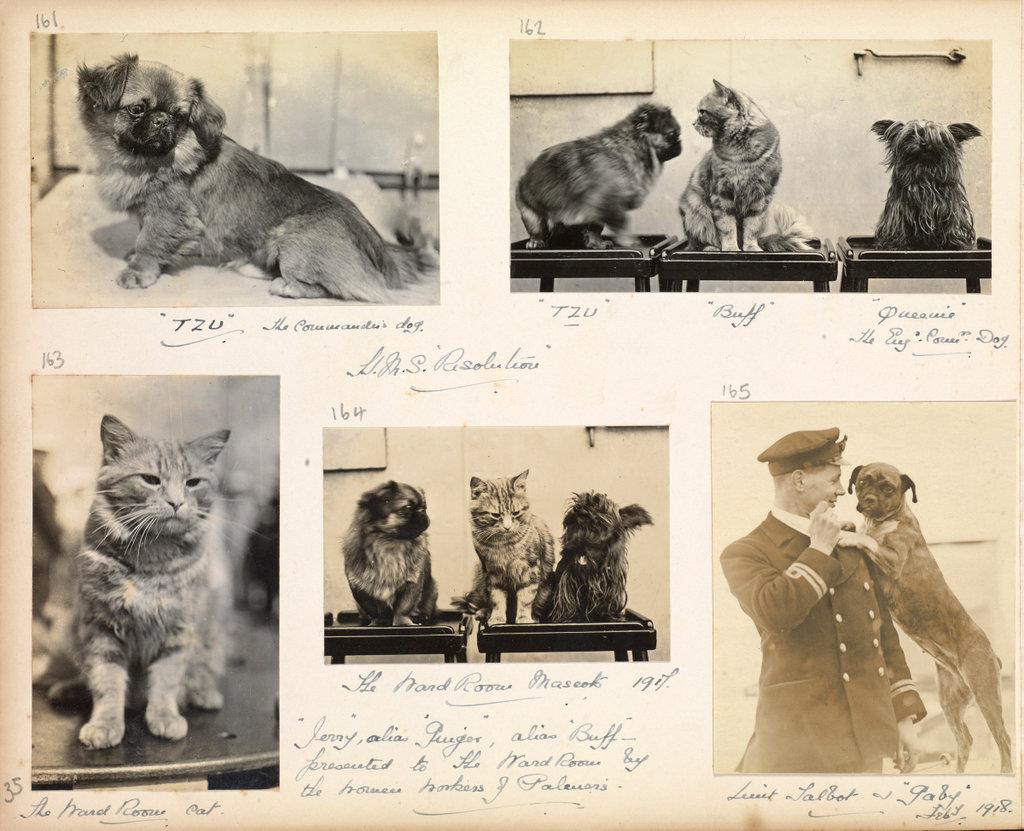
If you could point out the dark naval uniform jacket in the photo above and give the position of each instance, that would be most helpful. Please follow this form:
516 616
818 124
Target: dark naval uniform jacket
834 681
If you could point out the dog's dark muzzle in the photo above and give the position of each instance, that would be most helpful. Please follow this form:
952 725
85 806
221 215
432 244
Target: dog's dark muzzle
414 527
671 151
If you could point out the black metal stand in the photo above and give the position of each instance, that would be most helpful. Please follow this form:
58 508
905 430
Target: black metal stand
447 636
676 265
561 261
635 635
862 262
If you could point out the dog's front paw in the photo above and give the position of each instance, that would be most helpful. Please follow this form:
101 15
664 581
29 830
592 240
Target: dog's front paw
135 278
402 620
166 723
752 245
525 616
851 539
101 732
533 244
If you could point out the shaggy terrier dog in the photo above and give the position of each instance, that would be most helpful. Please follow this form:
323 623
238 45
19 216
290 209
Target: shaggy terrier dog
589 583
926 208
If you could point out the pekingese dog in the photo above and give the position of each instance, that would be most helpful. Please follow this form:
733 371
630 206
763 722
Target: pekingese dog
387 559
164 158
591 183
589 583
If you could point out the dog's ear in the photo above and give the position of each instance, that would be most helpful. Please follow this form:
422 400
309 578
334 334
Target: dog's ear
964 131
908 483
633 516
853 478
206 118
519 480
886 128
372 499
104 85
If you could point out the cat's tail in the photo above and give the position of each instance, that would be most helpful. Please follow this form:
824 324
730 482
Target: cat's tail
785 230
471 603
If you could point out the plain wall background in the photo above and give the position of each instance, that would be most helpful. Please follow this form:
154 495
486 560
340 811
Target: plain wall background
963 459
285 95
630 464
832 164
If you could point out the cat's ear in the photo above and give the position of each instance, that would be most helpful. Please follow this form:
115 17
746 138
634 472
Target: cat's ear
476 486
633 516
519 480
963 131
886 128
208 447
116 436
728 94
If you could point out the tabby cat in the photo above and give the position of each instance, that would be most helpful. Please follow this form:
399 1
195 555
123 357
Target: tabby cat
147 598
727 204
516 551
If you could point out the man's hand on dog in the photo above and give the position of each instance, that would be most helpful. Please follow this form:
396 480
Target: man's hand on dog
825 528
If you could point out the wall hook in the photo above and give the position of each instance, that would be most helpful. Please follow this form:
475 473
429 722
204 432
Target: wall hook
954 56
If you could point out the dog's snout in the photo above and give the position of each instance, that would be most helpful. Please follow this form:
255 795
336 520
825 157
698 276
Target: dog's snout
159 119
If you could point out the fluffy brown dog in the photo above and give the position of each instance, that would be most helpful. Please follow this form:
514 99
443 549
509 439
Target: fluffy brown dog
926 207
592 182
164 159
589 583
927 610
387 560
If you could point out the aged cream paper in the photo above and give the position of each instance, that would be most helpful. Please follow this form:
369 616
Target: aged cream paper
540 744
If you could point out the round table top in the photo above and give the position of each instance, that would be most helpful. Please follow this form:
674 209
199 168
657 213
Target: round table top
240 737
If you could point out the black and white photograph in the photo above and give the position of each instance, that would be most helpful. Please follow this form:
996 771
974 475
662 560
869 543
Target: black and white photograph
864 587
754 165
234 169
543 544
155 582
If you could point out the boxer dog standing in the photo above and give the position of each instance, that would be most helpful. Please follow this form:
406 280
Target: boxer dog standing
927 610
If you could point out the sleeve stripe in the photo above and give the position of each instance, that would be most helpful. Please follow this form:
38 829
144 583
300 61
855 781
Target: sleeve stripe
798 570
906 685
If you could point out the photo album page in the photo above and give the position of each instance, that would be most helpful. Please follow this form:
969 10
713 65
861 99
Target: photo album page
352 476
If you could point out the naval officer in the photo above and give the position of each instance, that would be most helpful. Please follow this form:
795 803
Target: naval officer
835 694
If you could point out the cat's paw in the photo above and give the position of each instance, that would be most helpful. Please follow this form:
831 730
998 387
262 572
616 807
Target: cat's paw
206 699
134 278
102 732
166 723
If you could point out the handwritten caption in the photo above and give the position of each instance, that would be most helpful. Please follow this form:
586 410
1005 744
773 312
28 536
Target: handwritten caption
927 333
181 331
455 759
738 317
944 803
116 812
569 315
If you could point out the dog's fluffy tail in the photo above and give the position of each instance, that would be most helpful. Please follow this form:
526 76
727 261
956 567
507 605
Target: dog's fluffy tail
415 254
785 230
